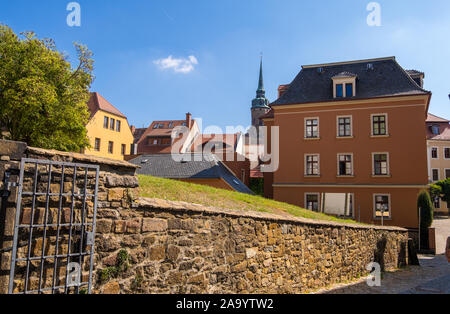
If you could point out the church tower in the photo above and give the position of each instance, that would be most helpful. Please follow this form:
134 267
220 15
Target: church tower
260 105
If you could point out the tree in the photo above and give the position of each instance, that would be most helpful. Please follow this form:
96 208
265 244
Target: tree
444 187
426 209
42 98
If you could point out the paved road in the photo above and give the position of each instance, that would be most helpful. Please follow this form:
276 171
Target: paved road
433 277
442 226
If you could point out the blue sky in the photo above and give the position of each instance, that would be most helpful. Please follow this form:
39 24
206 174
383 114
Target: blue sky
225 39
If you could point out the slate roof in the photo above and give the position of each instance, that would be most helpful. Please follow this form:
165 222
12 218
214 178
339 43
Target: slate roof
97 102
387 78
208 167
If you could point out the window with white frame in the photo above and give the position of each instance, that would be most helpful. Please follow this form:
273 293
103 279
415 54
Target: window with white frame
344 126
447 174
446 153
312 201
379 124
312 128
345 164
312 166
382 205
434 153
380 164
435 174
344 85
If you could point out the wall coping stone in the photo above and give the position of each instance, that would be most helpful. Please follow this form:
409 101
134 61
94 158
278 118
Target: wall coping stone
76 157
150 203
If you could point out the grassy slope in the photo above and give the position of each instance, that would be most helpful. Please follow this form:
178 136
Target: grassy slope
173 190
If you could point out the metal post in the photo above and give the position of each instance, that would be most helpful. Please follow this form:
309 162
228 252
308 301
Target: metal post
420 213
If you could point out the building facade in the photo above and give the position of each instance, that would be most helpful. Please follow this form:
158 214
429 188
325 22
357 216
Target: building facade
108 130
157 138
352 141
438 148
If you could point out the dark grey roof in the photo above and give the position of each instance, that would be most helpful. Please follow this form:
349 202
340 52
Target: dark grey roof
414 72
386 78
193 166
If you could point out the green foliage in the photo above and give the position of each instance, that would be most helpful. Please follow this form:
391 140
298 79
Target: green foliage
435 191
42 98
257 186
426 210
444 186
425 205
114 271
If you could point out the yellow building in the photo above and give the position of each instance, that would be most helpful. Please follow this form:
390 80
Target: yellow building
108 130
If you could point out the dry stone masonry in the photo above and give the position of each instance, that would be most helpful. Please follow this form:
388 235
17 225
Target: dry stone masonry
156 246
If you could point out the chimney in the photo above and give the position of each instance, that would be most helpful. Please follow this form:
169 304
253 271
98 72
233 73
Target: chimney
133 129
188 120
282 89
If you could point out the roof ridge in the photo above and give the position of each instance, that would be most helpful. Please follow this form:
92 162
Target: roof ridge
346 62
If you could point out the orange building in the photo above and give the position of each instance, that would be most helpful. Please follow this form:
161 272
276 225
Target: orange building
352 141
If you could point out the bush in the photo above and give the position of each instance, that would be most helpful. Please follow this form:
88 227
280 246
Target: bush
425 208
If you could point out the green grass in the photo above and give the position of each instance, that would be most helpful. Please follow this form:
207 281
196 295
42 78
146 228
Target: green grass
173 190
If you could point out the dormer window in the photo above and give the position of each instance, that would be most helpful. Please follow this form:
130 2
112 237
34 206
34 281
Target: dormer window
349 90
344 85
339 90
435 130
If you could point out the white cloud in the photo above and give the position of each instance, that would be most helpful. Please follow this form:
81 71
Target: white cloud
181 65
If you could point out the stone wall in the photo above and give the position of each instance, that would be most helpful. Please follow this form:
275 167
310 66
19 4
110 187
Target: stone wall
116 189
155 246
183 248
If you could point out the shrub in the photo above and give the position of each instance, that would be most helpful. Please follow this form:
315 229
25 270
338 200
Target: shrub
425 210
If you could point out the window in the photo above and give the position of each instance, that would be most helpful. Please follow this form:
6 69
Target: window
435 174
435 130
97 144
312 165
437 203
111 147
434 153
447 173
344 126
339 90
112 123
447 153
171 125
106 123
379 125
155 142
118 125
312 202
380 164
123 149
382 206
349 90
345 165
312 128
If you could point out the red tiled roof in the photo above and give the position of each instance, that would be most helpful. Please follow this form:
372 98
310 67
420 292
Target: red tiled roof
436 119
97 102
166 131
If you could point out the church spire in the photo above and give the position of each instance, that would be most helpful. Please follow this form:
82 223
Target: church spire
261 79
260 101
